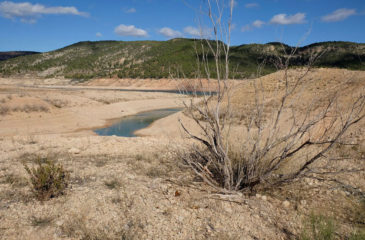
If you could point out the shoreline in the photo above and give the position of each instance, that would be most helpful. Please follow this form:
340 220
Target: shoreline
112 121
84 110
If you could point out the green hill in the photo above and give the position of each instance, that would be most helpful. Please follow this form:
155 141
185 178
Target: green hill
13 54
159 59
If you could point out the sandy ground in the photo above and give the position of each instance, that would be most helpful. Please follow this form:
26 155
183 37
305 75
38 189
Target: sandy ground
134 187
140 202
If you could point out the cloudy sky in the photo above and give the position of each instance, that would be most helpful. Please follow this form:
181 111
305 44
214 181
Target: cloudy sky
41 25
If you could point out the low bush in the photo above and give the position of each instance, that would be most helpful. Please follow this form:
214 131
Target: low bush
4 110
48 179
319 227
358 235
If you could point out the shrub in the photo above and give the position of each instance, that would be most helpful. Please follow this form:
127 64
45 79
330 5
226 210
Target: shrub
359 217
319 228
4 110
112 184
48 179
358 235
281 137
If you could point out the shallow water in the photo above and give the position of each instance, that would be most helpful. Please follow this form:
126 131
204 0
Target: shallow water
195 93
128 125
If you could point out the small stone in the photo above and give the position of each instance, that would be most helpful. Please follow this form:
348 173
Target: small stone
59 223
286 204
343 193
180 218
258 195
228 208
74 151
303 202
264 198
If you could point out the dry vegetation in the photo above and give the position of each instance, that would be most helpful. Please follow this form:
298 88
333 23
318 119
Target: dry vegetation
283 132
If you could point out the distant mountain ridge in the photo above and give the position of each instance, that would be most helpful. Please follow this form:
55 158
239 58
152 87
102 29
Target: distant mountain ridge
160 59
13 54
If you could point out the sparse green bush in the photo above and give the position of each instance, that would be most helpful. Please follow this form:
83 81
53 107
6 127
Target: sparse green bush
318 227
359 217
358 235
48 179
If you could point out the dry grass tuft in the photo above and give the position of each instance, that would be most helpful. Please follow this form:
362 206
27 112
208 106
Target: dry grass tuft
113 184
15 181
80 226
41 221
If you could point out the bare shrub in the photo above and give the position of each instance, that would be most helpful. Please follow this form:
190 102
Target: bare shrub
34 108
58 103
282 136
48 179
4 110
30 108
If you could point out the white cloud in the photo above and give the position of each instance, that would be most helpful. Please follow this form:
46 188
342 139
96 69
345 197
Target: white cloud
98 34
131 30
251 5
258 23
246 28
28 12
284 19
170 33
193 31
339 15
196 32
131 10
255 24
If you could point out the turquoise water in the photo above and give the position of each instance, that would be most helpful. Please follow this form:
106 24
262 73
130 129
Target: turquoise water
128 125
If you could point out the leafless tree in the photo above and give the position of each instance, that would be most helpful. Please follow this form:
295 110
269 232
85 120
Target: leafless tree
277 131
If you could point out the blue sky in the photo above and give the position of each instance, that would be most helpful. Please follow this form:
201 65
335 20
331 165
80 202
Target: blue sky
41 25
